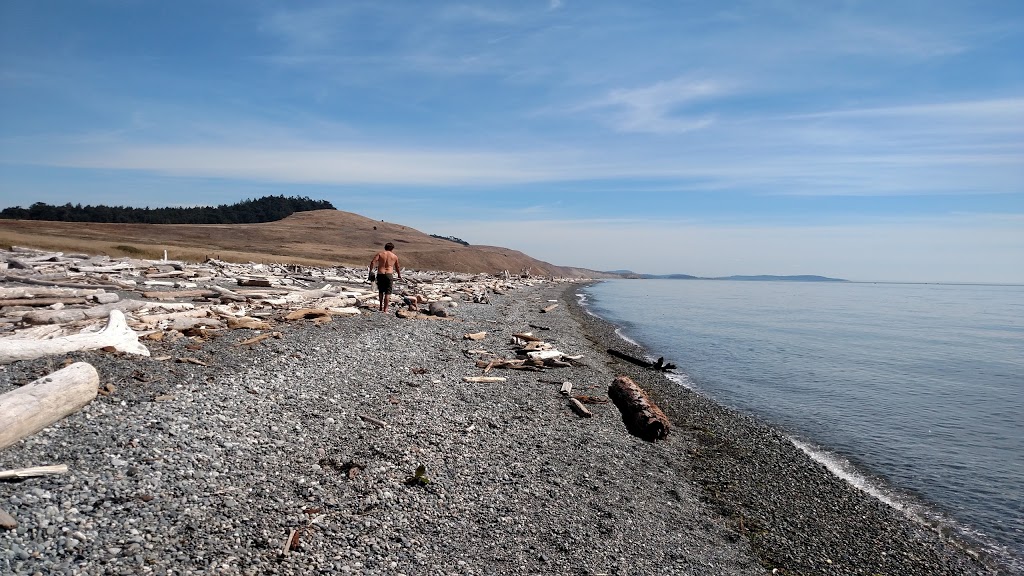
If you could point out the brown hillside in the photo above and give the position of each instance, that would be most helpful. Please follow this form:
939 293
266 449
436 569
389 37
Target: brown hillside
321 237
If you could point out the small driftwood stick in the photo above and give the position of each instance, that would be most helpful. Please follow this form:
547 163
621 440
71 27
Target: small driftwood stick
483 379
20 473
579 408
642 417
373 420
549 308
34 406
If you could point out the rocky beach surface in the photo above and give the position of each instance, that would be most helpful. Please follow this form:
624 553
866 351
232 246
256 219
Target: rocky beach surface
356 446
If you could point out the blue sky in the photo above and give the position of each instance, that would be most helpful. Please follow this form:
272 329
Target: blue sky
863 140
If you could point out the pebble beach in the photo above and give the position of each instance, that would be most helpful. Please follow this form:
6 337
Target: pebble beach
356 447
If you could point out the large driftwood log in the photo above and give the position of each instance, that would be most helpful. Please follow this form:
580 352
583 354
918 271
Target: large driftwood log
43 282
643 418
117 334
27 410
74 314
659 365
29 292
40 301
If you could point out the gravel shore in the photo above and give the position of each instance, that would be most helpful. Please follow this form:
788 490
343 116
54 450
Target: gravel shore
192 469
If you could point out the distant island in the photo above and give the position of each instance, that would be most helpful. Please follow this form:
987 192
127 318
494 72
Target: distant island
756 278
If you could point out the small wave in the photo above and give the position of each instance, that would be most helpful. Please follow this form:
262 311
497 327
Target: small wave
618 332
842 468
919 513
682 379
585 304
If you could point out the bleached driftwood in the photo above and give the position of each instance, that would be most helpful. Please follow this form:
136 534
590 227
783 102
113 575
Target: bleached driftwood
41 292
117 334
20 473
57 283
74 314
40 301
483 379
579 408
30 408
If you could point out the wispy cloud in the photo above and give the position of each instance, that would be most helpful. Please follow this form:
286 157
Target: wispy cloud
658 108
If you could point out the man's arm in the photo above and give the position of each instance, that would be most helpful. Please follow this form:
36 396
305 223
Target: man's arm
376 257
398 269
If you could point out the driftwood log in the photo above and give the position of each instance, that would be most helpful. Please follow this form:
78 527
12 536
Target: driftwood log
69 315
659 365
34 406
117 334
643 418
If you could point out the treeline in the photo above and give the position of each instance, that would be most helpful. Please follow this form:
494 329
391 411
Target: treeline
266 209
451 239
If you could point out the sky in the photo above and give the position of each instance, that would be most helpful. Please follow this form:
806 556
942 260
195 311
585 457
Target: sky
866 140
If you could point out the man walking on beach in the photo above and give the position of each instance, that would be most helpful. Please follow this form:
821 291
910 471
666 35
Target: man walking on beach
387 264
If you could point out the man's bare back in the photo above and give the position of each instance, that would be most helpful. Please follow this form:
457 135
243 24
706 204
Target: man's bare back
385 261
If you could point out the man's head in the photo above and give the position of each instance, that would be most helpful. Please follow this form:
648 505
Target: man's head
389 246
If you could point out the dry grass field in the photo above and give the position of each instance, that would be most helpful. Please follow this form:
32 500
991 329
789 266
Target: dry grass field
317 238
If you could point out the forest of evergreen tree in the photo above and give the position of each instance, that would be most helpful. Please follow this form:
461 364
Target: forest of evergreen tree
266 209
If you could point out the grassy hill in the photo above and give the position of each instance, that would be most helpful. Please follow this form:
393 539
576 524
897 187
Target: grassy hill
315 238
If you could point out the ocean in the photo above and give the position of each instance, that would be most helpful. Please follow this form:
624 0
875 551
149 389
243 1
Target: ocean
912 392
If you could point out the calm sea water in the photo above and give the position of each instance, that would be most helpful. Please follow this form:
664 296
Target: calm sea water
914 393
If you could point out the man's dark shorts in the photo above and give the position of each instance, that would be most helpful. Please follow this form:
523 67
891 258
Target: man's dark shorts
384 282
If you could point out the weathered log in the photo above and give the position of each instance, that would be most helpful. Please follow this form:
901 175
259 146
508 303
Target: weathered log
643 418
474 336
44 282
40 301
659 365
549 308
74 314
260 338
418 316
34 406
249 323
172 294
117 334
103 269
225 294
527 337
259 282
30 292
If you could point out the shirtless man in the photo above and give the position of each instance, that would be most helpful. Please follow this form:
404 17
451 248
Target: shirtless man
387 264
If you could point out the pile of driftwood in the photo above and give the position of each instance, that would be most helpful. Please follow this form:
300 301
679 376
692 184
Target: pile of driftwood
53 303
641 415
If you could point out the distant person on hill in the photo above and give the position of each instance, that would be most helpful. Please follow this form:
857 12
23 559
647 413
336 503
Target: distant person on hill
387 264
